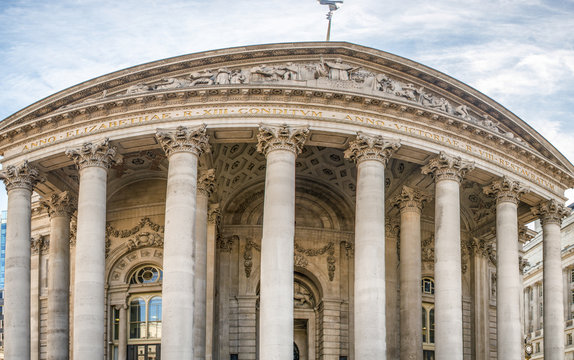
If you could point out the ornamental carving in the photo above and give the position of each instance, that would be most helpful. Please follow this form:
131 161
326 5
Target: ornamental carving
410 199
73 231
206 182
482 247
302 296
100 154
184 139
300 256
506 190
281 137
525 234
39 244
214 214
225 243
427 253
62 204
139 238
22 176
145 239
447 167
327 74
551 212
248 256
371 147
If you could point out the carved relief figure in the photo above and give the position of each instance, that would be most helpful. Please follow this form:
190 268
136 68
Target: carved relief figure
237 77
223 77
201 78
336 70
172 83
301 296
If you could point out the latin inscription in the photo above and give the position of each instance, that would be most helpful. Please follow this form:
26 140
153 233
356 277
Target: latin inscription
295 112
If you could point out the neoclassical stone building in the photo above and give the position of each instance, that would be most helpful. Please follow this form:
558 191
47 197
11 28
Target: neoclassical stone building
287 201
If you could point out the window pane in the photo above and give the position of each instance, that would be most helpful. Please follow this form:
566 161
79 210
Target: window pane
155 309
431 331
137 319
116 321
424 322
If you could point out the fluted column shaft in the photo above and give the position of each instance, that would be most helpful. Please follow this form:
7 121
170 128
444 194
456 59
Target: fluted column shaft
551 215
448 172
60 208
410 202
205 186
371 153
19 181
183 147
280 144
508 284
93 160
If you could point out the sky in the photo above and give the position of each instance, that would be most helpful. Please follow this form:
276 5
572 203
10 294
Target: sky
518 52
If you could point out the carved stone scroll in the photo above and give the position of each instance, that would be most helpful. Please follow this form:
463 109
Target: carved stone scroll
22 176
100 154
371 147
185 139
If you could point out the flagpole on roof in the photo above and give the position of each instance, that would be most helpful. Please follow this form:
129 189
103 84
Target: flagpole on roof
333 6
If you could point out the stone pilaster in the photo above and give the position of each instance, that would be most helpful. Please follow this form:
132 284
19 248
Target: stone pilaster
213 219
508 286
410 201
20 181
448 172
183 147
392 289
280 145
205 187
123 333
92 161
551 214
371 153
60 208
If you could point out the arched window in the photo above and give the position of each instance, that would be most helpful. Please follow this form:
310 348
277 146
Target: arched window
427 286
154 317
148 274
145 318
137 319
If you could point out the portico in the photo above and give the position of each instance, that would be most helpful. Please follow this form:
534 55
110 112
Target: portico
373 215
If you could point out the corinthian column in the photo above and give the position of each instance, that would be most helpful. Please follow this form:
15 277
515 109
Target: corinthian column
92 161
371 153
205 187
448 172
411 201
280 145
60 208
551 214
508 285
20 181
183 147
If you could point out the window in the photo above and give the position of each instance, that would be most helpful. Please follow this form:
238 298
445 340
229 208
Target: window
540 310
572 275
428 325
572 295
116 322
569 339
147 275
540 291
137 319
427 286
537 347
531 294
145 318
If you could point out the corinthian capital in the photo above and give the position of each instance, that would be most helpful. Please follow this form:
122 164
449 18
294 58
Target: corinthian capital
551 212
184 139
62 204
206 182
281 137
371 147
21 176
447 167
100 154
506 190
410 199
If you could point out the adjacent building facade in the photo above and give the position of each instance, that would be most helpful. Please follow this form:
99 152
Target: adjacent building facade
288 201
